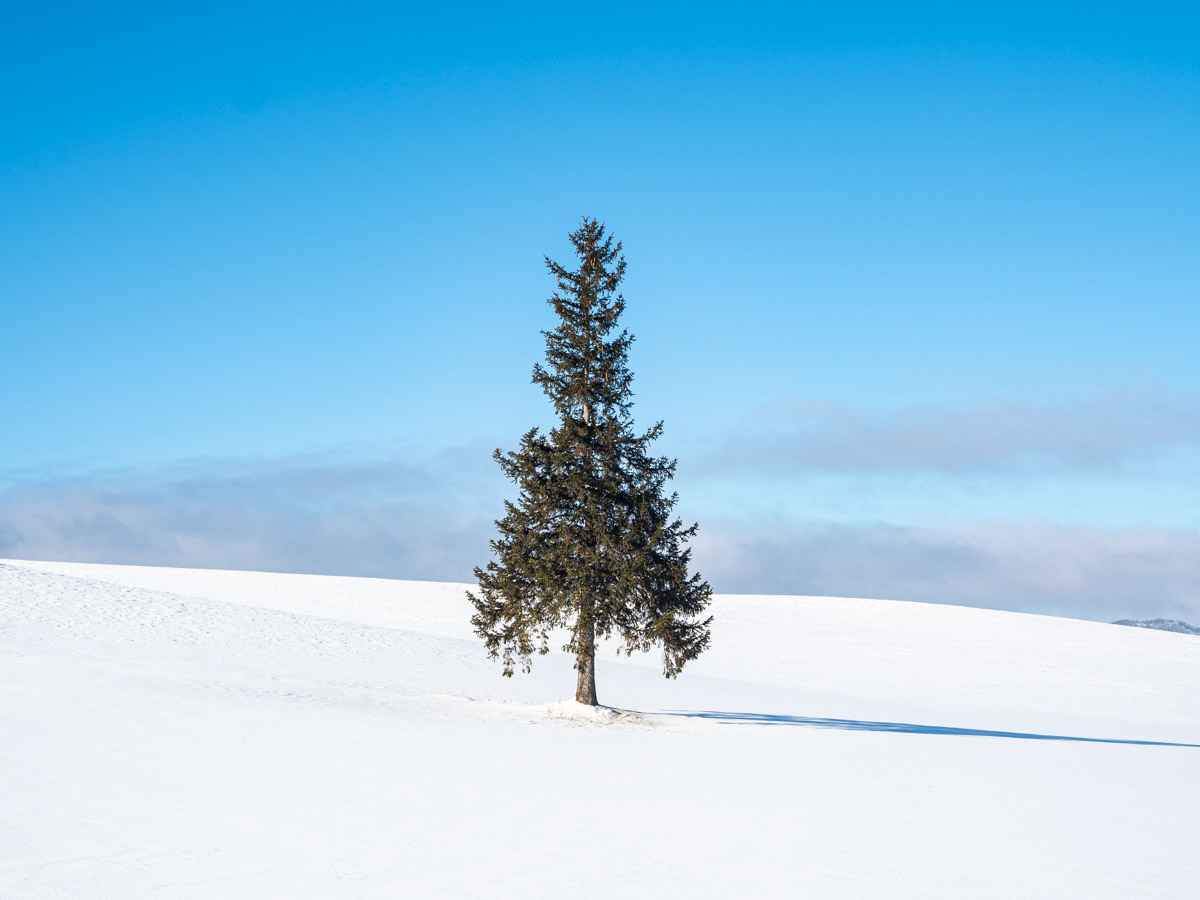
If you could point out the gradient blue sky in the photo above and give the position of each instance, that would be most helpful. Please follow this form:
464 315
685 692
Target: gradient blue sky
914 290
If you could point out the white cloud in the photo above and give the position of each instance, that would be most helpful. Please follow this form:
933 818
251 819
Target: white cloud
1107 431
1030 566
373 517
432 520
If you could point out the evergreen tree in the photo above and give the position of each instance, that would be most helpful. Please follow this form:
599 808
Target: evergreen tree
590 544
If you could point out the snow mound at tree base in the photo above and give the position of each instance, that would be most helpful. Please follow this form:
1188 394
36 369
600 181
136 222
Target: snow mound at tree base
599 715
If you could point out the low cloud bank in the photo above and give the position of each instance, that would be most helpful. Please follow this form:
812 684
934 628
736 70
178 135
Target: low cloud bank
1109 431
1027 566
432 521
376 518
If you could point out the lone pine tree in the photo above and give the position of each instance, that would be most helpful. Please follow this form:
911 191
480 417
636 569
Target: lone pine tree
590 544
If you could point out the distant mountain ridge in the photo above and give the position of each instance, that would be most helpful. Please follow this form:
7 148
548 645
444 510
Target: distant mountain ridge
1161 625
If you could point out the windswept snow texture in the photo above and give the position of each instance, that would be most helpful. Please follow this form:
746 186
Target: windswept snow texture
189 733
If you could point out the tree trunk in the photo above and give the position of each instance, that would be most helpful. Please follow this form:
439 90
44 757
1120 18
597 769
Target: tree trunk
585 665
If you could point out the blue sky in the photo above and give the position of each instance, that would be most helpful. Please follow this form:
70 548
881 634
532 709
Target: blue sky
914 291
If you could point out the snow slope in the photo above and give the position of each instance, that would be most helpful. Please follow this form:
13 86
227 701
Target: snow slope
196 733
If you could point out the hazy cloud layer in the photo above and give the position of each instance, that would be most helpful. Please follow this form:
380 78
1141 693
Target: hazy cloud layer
381 518
433 521
1111 430
1031 566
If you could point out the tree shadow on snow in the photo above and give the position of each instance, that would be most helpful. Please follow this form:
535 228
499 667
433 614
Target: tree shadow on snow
730 718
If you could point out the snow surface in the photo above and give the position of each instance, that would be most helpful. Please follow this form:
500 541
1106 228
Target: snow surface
197 733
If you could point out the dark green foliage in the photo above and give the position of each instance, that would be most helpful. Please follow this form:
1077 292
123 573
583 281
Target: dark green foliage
590 543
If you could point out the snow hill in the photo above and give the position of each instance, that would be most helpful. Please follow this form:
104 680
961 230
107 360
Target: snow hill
192 733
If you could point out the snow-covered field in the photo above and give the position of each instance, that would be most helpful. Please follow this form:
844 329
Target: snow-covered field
193 733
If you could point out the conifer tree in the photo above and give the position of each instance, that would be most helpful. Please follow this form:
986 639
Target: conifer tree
590 544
